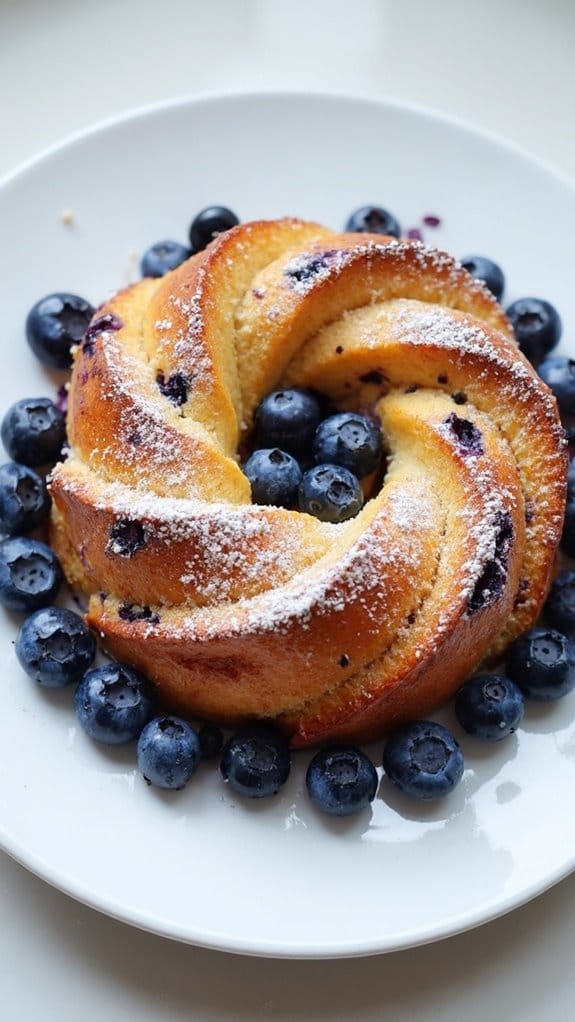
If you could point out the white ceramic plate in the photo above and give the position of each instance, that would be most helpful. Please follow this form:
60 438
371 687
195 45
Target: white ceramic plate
202 866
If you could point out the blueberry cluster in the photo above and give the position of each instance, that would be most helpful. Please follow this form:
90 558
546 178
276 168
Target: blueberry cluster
33 433
164 256
305 459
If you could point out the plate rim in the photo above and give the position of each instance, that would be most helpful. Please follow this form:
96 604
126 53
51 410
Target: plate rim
209 97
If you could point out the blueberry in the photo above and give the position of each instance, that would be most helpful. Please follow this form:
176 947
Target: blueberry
33 431
287 419
54 325
24 500
208 224
30 574
489 707
162 257
558 372
536 325
113 703
175 387
542 663
211 740
331 493
568 537
256 761
486 270
423 759
274 477
125 537
55 647
341 780
373 220
351 440
168 752
560 603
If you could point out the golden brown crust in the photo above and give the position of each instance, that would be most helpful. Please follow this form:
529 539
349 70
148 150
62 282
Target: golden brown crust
237 611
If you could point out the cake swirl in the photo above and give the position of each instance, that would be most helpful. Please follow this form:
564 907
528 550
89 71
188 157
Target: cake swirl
237 611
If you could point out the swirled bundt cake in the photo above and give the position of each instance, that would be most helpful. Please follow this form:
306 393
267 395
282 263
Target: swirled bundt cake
238 611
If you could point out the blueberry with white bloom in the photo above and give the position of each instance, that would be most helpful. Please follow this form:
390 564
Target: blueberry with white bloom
331 493
341 780
423 759
274 477
30 574
24 500
489 707
113 703
168 752
33 431
55 647
349 439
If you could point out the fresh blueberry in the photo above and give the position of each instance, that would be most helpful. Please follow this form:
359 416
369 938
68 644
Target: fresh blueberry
542 663
423 759
558 372
274 477
373 220
568 534
113 703
208 224
560 603
162 257
211 740
341 780
24 500
536 325
30 574
351 440
33 431
55 647
54 325
486 270
256 761
287 419
331 493
489 707
168 752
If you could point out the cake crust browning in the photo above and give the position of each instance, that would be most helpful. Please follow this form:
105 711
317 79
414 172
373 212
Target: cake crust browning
238 612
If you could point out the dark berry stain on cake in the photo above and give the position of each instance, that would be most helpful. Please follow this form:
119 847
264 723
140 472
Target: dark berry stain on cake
343 660
126 537
373 376
490 583
135 612
99 326
469 436
522 593
442 378
309 266
175 387
459 398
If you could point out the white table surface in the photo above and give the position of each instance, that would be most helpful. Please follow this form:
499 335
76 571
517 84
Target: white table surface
506 65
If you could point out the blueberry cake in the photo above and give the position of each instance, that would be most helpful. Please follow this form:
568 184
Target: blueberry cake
240 611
